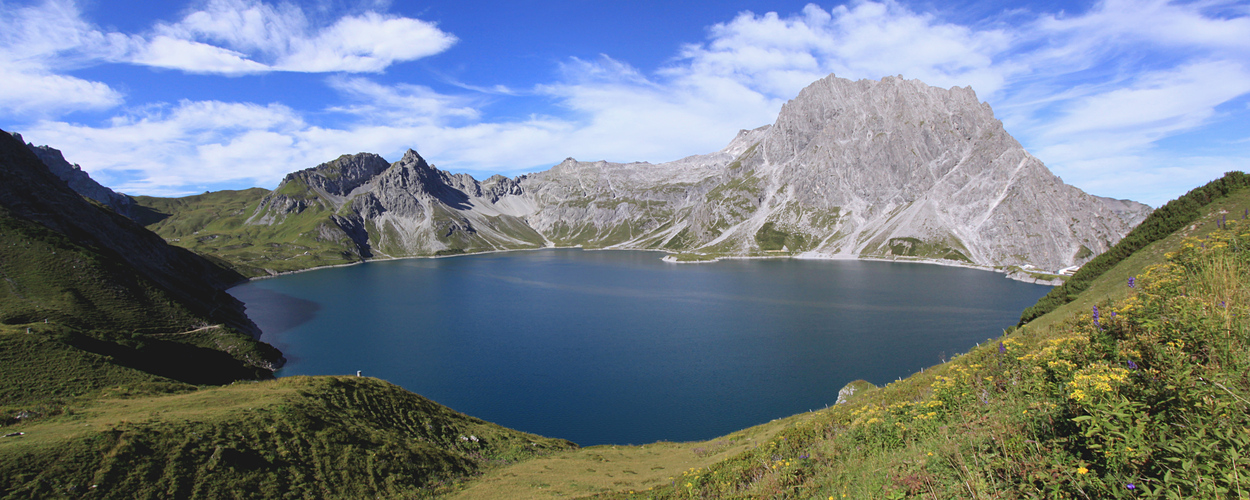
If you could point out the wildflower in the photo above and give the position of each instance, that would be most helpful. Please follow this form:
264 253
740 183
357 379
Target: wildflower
1131 486
1132 282
1096 318
1082 470
1002 348
1132 365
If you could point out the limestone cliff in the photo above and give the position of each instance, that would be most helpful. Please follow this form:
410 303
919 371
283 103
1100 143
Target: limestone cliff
891 168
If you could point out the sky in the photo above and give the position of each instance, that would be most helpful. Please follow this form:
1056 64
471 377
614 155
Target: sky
1141 100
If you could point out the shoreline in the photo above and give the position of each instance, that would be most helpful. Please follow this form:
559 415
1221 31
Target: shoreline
669 258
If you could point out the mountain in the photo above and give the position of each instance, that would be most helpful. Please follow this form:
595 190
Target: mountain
885 169
80 181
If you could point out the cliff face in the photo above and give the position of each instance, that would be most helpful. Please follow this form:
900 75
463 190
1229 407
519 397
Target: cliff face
916 169
80 181
890 168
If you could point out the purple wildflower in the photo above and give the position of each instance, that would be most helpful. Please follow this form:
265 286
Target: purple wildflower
1132 282
1132 365
1096 318
1131 486
1112 314
1002 348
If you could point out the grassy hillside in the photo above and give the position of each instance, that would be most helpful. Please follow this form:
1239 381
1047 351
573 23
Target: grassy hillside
322 437
75 320
1054 409
1162 223
212 224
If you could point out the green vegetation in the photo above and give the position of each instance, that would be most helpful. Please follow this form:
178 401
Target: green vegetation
607 469
739 194
1083 252
696 257
913 247
214 224
322 437
76 320
771 239
48 276
1161 223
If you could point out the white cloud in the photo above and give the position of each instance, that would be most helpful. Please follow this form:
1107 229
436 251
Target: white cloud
167 150
31 42
194 57
400 104
1094 95
255 37
1157 104
225 37
28 91
780 55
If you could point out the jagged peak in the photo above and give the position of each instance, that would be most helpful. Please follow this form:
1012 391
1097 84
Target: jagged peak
411 156
340 175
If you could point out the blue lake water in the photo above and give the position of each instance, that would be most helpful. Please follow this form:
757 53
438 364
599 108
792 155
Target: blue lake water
618 347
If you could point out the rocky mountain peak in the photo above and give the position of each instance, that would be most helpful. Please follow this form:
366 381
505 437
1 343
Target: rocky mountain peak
340 176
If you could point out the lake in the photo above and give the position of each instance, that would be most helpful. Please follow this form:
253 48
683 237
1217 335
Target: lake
618 347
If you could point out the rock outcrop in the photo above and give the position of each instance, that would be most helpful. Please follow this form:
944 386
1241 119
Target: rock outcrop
80 181
887 169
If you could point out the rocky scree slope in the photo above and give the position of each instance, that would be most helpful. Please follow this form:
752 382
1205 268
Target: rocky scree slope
889 169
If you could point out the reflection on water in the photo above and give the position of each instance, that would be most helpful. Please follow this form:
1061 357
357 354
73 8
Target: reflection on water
619 347
277 312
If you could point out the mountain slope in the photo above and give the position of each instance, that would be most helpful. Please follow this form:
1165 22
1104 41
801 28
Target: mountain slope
886 169
91 300
31 194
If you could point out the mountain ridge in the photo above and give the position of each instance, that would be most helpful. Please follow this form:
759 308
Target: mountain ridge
890 169
880 169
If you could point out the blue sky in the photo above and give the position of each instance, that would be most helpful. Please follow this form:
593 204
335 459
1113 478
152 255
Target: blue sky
1131 99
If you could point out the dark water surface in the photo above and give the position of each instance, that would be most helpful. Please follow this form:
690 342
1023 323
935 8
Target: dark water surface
618 347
